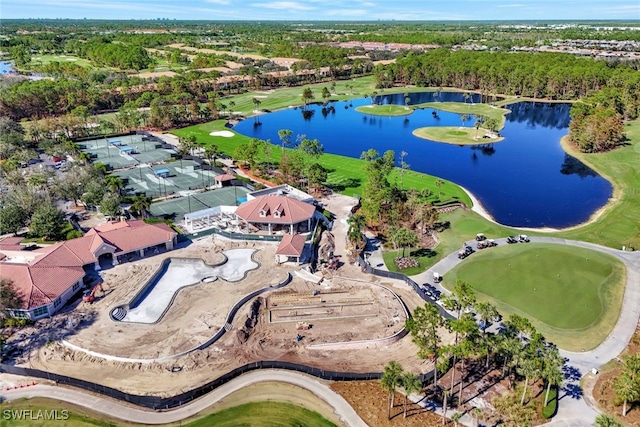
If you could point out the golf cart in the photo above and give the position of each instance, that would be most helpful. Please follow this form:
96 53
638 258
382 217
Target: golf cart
468 250
512 239
523 238
480 237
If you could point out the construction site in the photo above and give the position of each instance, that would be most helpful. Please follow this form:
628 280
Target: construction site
317 320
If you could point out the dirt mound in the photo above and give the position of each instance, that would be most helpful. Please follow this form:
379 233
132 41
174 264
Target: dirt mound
327 246
252 319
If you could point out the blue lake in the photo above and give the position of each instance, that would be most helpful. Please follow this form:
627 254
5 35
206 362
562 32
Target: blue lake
527 180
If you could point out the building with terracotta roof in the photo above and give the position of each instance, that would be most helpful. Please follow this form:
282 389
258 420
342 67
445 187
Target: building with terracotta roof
291 246
277 213
47 277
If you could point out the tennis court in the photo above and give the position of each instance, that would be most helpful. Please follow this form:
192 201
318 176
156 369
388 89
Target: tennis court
125 151
165 179
176 208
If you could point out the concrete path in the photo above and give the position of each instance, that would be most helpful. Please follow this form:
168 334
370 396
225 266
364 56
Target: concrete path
121 411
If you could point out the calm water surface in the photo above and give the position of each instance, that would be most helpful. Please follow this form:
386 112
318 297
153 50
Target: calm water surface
527 180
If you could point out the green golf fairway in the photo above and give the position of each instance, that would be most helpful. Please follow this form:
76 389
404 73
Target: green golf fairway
564 288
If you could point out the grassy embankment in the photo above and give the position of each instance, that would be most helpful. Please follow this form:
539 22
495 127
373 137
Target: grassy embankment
254 414
346 174
572 295
617 224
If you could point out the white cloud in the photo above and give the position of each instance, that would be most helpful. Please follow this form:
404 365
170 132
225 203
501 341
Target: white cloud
284 5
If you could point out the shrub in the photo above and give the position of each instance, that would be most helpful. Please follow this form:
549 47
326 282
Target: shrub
14 321
74 234
551 409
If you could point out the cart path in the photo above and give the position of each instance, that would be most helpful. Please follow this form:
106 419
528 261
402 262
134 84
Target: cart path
115 409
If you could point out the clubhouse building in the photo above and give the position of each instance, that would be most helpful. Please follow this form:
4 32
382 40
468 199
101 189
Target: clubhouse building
47 277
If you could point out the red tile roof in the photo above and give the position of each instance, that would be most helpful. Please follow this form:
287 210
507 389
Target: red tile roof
40 285
129 236
291 245
45 273
224 177
292 211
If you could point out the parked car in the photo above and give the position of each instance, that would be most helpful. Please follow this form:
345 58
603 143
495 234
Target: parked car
512 239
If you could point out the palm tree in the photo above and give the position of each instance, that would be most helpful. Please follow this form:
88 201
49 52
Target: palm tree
445 397
626 390
464 118
390 381
466 96
551 369
84 157
285 137
424 327
455 418
141 204
307 95
403 166
528 369
604 420
411 384
477 126
211 153
114 183
439 183
357 223
256 105
232 106
487 312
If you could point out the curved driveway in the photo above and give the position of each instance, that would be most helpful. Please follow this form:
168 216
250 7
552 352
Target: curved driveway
115 409
573 410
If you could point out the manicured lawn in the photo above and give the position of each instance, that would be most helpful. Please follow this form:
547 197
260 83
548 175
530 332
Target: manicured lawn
572 295
385 110
455 135
460 226
469 109
256 414
259 414
619 224
346 174
47 59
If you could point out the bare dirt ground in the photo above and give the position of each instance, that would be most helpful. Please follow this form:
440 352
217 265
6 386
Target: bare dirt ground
353 310
370 402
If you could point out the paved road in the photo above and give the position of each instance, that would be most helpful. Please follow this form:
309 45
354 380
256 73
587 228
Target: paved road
116 409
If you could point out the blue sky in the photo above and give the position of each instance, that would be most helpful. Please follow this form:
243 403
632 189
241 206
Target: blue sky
324 9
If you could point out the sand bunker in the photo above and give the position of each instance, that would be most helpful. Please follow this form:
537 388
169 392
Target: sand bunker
222 133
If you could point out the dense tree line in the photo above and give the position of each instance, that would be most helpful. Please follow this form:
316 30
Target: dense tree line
610 91
119 55
539 75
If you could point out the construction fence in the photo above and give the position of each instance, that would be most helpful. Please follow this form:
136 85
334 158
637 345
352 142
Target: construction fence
165 403
399 276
